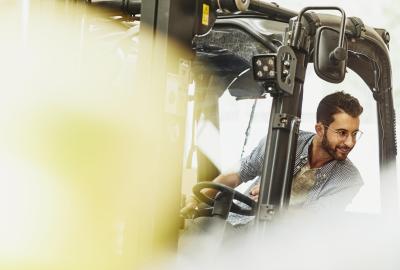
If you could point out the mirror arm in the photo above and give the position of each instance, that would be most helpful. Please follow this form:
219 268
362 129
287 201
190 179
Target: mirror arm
339 53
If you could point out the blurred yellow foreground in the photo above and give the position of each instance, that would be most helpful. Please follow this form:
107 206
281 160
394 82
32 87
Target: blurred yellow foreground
77 190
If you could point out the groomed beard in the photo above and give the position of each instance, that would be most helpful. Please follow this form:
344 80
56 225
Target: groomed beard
332 150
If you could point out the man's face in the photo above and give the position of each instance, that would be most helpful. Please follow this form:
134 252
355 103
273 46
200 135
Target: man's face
334 141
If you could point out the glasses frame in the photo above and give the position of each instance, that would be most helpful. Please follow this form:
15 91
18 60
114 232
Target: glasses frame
355 137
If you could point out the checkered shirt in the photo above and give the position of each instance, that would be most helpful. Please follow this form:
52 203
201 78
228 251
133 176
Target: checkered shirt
336 183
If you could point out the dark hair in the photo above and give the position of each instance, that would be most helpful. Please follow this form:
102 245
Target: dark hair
335 103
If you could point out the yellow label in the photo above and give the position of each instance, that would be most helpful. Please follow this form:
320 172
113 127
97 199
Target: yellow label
206 13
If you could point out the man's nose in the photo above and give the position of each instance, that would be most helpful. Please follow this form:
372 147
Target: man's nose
350 141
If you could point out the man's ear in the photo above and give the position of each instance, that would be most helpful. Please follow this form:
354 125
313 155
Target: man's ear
319 129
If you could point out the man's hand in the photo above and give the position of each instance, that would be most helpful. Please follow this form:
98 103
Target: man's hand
254 192
231 180
191 204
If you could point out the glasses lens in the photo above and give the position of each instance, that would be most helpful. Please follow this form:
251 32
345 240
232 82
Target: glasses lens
358 135
342 134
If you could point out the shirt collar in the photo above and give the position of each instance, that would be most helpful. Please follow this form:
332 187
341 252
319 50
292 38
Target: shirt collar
304 152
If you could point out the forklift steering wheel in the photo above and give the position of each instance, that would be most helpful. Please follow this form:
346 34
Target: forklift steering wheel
222 188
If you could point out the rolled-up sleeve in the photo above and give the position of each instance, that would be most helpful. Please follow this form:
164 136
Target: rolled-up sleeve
251 166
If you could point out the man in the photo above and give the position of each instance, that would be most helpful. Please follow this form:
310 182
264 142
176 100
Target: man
323 175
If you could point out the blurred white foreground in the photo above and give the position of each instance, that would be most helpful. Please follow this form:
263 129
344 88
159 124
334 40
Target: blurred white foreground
298 241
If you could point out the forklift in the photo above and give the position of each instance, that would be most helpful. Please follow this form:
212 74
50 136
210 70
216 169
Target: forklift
240 51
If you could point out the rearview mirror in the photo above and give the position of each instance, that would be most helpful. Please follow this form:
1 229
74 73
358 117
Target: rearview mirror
330 60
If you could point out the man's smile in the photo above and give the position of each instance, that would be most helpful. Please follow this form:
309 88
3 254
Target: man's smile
343 149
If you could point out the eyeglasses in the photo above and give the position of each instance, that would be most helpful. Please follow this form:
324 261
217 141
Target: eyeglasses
343 134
